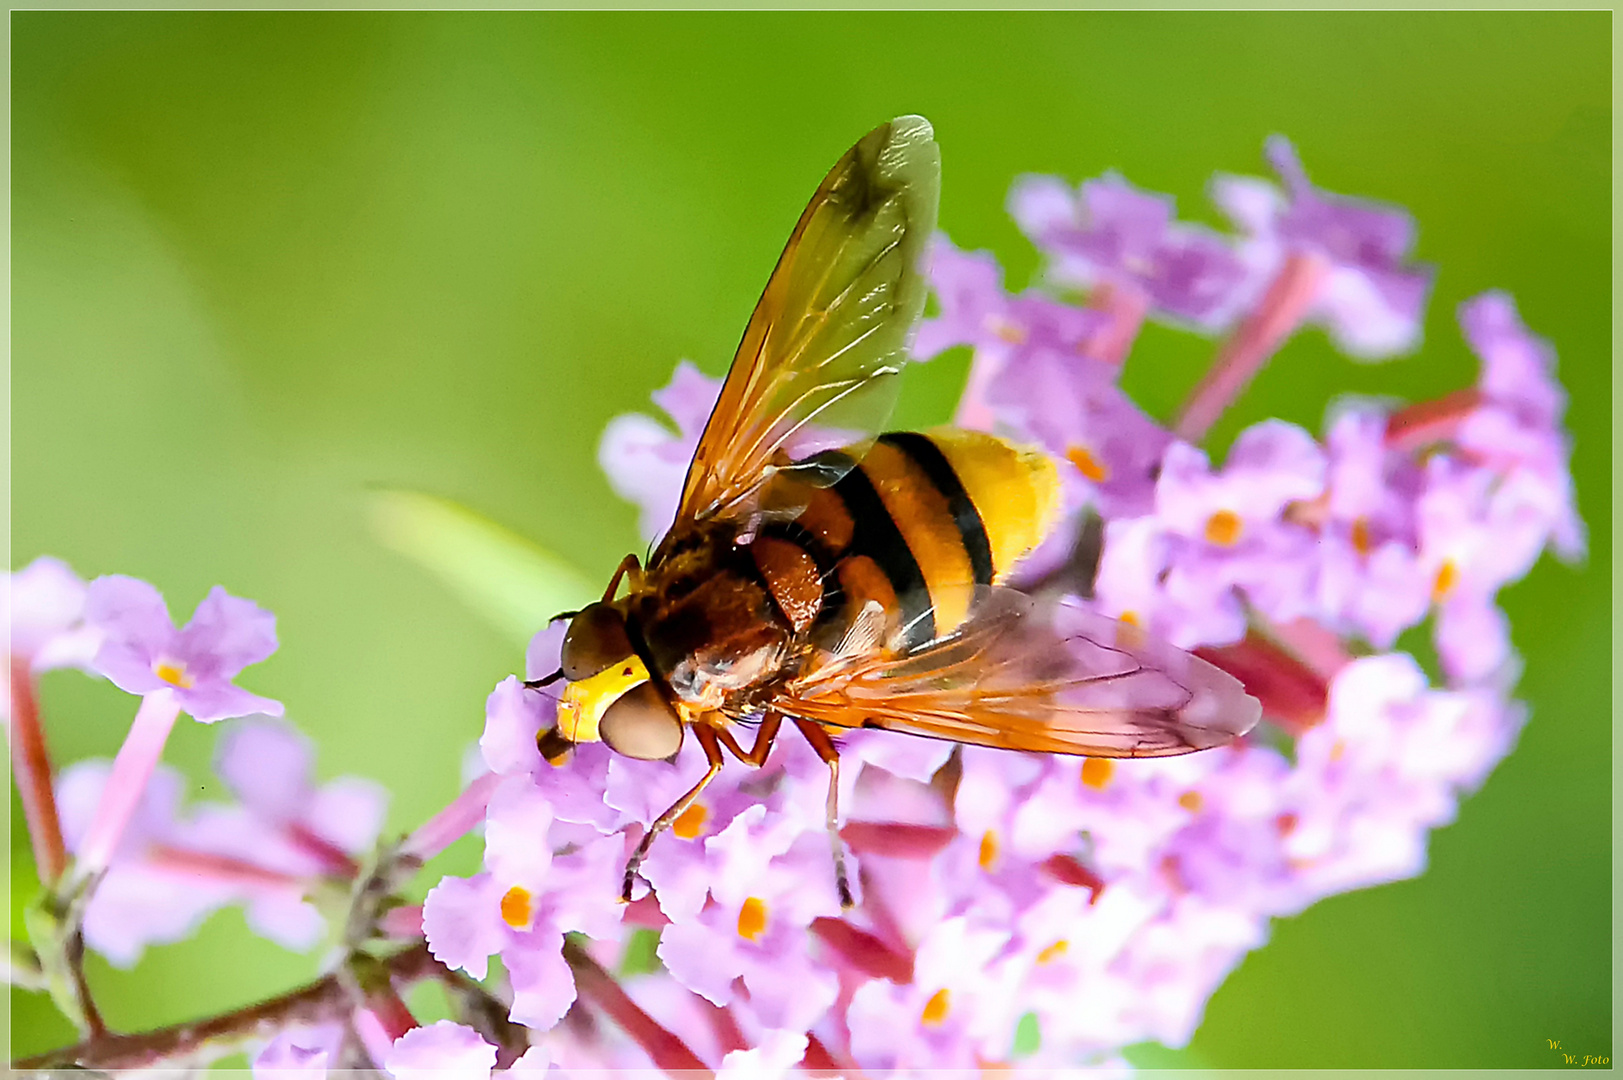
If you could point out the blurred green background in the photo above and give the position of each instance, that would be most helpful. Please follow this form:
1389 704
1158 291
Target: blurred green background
261 262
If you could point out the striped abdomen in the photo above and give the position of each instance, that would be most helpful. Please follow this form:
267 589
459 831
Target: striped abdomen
922 522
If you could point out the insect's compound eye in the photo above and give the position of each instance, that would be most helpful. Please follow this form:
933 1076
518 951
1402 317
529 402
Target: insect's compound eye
641 724
596 638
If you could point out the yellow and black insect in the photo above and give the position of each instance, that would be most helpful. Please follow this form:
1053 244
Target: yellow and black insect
821 573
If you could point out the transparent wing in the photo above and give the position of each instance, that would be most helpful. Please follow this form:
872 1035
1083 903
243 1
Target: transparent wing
1056 679
818 363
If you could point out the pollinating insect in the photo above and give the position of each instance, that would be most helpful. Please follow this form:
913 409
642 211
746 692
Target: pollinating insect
824 574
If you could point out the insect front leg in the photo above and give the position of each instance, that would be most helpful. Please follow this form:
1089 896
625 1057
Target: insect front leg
825 749
628 565
712 753
765 735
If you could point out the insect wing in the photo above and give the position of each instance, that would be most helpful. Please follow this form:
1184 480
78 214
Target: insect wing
831 331
1057 679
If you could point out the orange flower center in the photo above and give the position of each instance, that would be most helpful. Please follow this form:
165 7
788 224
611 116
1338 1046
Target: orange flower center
1053 952
935 1010
518 907
690 822
1191 801
752 919
173 674
1360 536
988 850
1448 575
1086 464
1096 772
1223 528
1011 332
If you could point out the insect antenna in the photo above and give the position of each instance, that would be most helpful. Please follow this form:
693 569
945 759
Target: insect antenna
536 684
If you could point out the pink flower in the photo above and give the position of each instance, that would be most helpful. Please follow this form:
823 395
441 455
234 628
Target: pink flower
441 1051
957 1011
1518 425
143 653
140 900
1372 299
169 871
45 605
1111 232
644 462
299 1054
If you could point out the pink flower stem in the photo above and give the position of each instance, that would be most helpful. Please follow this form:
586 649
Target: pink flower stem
1126 309
1239 359
334 860
383 1004
1294 694
31 766
465 812
379 1015
132 768
402 923
664 1049
207 866
1428 422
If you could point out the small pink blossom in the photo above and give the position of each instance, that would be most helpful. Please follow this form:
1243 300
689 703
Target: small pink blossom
143 653
644 462
45 606
1110 232
299 1054
441 1051
1372 298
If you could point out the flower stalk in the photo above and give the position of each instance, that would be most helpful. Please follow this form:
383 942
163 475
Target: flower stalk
664 1048
132 768
31 767
1258 337
199 1042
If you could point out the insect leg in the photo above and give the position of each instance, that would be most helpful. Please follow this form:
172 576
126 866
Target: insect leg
536 684
712 752
764 736
628 565
825 749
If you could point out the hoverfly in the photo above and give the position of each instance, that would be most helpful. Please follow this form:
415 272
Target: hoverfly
821 573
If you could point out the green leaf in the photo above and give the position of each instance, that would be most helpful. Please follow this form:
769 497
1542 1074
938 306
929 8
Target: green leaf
512 583
1028 1038
641 953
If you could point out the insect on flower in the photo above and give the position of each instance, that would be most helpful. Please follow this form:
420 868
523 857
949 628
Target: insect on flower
825 574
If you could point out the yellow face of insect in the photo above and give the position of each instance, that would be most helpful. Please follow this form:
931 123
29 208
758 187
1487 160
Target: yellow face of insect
610 697
580 711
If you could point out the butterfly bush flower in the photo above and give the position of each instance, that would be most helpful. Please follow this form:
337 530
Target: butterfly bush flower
1355 251
1013 911
644 462
1108 233
267 851
1100 903
442 1049
45 609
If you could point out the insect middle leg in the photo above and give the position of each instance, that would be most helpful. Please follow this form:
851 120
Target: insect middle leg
825 749
712 752
765 735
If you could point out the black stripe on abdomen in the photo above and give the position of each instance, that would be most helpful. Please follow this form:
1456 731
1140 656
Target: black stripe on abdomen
934 464
875 535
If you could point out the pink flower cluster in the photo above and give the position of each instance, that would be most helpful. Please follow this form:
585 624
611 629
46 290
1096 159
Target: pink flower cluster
160 870
1048 911
1013 910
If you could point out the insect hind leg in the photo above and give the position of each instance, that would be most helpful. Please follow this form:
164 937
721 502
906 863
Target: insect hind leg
712 753
824 746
